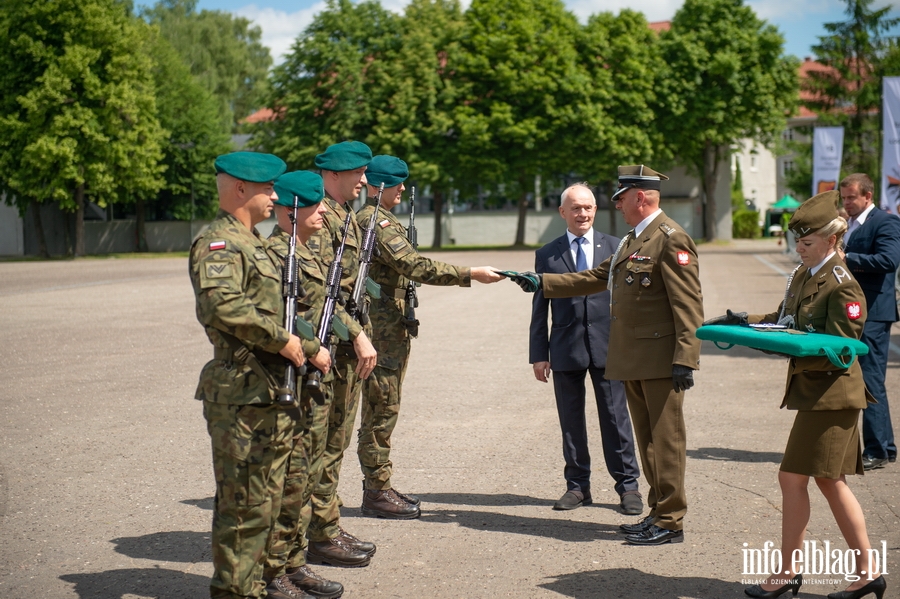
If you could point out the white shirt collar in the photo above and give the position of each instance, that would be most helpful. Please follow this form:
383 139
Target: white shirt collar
589 235
815 269
862 216
646 222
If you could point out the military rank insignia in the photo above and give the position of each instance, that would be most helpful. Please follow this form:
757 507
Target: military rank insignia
854 311
629 279
684 258
216 245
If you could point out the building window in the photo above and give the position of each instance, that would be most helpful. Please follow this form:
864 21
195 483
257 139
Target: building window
752 162
787 135
786 167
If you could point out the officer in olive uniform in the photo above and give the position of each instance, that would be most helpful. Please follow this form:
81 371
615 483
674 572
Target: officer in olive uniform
397 264
239 303
656 307
286 566
343 167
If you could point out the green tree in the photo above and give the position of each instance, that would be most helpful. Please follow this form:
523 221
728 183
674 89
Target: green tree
725 78
848 93
224 52
77 107
527 95
332 83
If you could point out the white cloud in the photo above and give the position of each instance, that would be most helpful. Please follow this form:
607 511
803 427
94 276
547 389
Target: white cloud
654 10
280 28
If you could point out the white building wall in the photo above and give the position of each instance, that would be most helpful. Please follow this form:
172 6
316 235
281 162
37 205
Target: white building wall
759 174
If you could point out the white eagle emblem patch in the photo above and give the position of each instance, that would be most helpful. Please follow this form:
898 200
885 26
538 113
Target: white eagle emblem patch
684 258
854 311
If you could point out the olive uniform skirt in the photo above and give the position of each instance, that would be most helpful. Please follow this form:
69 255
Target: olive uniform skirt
824 444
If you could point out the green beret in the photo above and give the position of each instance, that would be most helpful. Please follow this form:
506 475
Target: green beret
389 170
815 213
305 185
640 176
345 156
251 166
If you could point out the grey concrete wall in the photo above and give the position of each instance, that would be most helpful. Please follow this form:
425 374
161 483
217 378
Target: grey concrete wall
118 236
12 239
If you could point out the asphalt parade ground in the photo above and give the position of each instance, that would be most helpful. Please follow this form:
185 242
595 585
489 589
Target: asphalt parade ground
106 482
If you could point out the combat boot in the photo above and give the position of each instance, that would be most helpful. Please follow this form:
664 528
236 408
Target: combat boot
358 544
283 588
387 504
313 584
411 499
336 552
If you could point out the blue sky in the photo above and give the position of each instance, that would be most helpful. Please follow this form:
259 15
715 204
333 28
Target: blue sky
800 21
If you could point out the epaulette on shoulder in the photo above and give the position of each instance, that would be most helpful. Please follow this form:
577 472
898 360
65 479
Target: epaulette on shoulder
667 229
840 273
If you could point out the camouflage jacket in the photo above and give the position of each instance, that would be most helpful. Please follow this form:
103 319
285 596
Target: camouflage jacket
238 290
396 264
313 278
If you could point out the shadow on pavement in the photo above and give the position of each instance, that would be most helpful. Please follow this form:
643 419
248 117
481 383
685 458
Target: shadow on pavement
142 582
551 528
499 500
628 583
177 546
721 454
207 503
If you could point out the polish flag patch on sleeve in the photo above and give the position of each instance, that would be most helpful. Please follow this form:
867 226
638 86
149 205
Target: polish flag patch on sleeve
854 311
217 245
684 258
384 223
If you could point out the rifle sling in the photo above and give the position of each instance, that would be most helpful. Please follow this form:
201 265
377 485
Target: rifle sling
398 293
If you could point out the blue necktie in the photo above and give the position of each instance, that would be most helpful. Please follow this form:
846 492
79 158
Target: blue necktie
580 257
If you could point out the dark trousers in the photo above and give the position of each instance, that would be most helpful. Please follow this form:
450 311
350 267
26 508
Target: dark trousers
878 433
615 429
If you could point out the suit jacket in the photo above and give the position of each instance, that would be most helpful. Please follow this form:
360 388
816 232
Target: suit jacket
579 334
873 254
657 304
830 302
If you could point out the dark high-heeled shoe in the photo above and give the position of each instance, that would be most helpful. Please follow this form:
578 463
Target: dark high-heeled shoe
877 586
759 593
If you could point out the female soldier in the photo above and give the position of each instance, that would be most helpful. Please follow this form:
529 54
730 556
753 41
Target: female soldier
824 442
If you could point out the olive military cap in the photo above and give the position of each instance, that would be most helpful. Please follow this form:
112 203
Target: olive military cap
389 170
344 156
640 176
305 185
251 166
815 213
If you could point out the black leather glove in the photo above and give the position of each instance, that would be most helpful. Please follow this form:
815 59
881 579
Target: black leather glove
529 281
729 318
682 377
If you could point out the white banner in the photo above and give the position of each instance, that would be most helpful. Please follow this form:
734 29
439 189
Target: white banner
890 162
828 150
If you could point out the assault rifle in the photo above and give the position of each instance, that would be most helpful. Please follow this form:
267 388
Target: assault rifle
287 393
412 298
332 298
357 307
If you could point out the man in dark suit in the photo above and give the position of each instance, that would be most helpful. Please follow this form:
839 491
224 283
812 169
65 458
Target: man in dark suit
872 253
577 346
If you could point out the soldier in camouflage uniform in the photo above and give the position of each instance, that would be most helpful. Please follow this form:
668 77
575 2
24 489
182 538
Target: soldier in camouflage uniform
286 565
343 166
397 264
239 303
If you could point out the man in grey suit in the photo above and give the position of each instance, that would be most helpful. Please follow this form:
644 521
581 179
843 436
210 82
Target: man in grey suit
575 346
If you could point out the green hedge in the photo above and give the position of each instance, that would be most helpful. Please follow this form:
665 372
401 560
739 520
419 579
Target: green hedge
745 224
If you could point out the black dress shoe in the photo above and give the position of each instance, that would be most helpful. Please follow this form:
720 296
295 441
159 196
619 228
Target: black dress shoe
631 503
336 552
877 586
793 586
638 527
312 584
870 463
358 544
573 499
655 536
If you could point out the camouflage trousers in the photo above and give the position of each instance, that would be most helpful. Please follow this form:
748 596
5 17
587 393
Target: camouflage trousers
251 445
380 410
325 503
308 446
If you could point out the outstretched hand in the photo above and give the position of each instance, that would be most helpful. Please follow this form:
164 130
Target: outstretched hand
486 274
729 318
529 281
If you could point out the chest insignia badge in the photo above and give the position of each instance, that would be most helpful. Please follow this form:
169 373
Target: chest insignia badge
854 311
629 279
645 280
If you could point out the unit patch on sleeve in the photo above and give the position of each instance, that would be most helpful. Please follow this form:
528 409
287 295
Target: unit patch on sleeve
684 258
854 311
221 270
